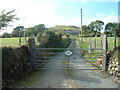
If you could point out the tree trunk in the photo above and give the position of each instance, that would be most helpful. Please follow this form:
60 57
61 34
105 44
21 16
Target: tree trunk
115 42
25 38
20 38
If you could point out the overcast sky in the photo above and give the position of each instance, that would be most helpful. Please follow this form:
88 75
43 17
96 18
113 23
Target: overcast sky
60 12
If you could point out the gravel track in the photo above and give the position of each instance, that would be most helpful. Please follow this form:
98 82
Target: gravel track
72 78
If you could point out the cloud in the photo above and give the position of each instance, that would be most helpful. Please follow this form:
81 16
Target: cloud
33 12
30 12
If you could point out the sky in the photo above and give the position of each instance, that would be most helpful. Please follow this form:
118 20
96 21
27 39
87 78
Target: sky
59 12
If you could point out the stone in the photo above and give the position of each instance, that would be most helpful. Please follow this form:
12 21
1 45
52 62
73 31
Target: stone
113 62
119 67
116 69
118 74
111 72
108 68
114 65
113 68
110 65
117 63
114 73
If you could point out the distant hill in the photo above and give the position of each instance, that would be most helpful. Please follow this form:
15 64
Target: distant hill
65 29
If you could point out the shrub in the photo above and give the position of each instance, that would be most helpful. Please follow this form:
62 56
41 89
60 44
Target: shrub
49 40
14 62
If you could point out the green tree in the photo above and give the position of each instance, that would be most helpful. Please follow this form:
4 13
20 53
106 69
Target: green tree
109 29
15 33
85 29
116 33
38 29
5 35
112 29
96 26
19 30
35 30
6 18
49 39
117 30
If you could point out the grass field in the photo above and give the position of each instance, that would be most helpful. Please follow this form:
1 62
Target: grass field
14 42
86 42
89 40
11 42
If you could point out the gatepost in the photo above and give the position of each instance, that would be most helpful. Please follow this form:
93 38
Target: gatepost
31 43
104 53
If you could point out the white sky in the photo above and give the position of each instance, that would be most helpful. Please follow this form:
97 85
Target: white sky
33 12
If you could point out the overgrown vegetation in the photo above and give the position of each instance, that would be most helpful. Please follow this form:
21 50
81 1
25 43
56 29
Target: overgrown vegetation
50 39
14 63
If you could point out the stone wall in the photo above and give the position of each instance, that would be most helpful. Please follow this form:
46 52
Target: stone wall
114 62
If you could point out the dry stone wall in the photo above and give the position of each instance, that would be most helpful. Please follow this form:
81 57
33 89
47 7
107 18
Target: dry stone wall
114 62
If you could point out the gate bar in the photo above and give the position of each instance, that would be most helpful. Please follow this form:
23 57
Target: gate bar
67 48
69 60
67 69
66 57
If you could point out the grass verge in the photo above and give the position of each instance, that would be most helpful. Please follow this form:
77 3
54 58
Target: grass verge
85 45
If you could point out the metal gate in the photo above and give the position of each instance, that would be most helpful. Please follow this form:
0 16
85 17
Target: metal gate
65 58
70 59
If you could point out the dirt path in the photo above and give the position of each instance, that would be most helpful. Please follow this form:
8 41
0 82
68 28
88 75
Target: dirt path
72 78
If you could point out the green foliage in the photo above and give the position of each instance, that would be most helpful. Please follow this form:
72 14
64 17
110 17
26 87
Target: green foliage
6 35
49 39
14 62
6 17
96 26
110 29
28 31
117 30
19 28
87 31
5 52
62 29
18 31
40 28
86 43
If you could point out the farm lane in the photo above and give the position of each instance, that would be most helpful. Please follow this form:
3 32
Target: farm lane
72 78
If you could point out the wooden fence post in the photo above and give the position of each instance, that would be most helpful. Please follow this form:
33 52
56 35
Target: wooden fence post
31 43
90 48
95 42
101 43
104 53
